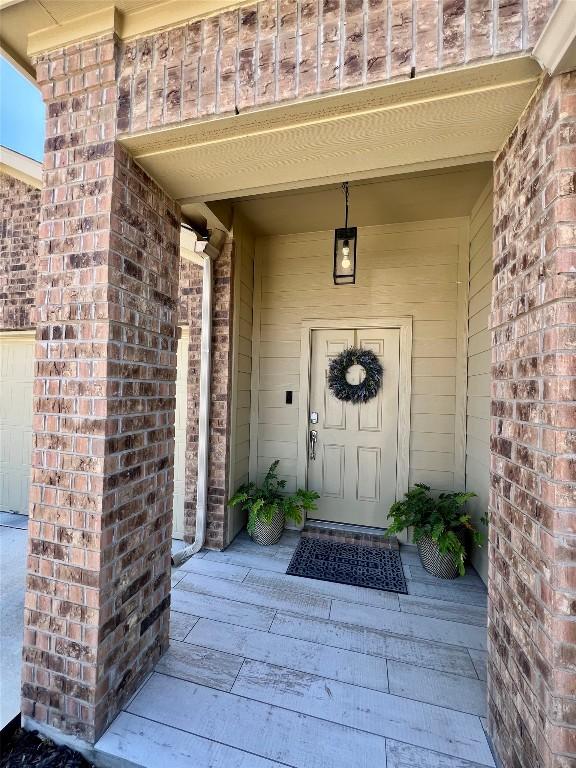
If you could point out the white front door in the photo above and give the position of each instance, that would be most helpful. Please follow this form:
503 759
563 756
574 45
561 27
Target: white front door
354 469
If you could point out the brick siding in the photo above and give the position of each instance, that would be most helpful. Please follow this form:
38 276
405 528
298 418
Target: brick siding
98 584
19 212
532 575
280 50
107 310
189 290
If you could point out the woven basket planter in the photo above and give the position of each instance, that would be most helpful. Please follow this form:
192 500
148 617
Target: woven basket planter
269 533
439 564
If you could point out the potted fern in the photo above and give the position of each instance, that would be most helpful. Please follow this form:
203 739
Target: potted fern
440 528
268 506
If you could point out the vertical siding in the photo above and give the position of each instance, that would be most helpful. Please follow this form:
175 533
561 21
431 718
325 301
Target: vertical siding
243 304
403 270
479 343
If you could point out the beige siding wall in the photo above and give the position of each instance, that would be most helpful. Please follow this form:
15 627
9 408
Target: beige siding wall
409 269
478 401
242 352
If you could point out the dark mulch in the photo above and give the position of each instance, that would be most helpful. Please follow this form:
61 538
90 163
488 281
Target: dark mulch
26 749
354 564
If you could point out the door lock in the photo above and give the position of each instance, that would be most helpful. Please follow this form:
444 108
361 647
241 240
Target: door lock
313 439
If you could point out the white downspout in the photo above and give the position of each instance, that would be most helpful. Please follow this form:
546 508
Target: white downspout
208 253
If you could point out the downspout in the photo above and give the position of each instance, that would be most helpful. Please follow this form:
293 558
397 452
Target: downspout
209 253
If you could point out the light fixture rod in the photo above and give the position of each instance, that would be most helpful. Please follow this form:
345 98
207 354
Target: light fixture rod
346 193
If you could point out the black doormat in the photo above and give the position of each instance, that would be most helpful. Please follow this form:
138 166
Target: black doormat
348 564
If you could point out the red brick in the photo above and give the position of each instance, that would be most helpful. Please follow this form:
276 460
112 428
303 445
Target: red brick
280 50
19 215
89 578
531 584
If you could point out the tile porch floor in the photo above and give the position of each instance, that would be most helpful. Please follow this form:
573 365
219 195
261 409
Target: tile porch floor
13 542
270 670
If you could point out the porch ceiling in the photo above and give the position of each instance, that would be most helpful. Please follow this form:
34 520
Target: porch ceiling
438 194
433 121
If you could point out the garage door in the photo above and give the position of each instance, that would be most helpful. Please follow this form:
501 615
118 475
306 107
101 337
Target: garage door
180 448
16 374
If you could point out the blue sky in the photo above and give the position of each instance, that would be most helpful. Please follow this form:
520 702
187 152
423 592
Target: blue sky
21 113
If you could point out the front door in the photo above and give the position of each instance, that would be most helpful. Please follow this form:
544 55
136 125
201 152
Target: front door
354 468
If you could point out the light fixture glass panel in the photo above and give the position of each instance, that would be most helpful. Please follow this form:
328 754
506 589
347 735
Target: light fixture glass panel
345 256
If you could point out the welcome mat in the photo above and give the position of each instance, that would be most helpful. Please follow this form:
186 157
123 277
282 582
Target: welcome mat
348 564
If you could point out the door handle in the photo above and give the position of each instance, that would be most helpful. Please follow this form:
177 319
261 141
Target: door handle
313 439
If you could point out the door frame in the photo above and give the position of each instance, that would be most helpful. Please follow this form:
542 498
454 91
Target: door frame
404 325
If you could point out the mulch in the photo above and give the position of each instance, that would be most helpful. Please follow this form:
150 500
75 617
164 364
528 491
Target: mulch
27 749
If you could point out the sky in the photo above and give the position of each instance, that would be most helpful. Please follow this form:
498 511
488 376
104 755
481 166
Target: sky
21 113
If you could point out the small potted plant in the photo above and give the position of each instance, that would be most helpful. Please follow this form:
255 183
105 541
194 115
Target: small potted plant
440 527
269 507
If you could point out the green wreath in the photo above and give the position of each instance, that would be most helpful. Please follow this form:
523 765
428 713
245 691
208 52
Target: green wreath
355 393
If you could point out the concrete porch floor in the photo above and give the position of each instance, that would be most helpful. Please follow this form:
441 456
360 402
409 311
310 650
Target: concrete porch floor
13 542
269 670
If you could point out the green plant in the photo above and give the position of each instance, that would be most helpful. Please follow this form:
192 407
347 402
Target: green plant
262 503
439 519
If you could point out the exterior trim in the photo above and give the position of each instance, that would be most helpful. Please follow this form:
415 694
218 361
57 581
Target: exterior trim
130 24
171 14
460 435
21 167
17 335
82 28
21 65
555 50
255 377
234 342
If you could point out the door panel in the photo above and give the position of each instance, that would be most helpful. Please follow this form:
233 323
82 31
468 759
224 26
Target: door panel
369 461
355 467
333 458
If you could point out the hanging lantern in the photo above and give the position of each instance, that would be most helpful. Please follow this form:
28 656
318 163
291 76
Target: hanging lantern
345 250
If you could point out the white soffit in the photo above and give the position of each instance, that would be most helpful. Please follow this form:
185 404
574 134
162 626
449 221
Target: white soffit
437 120
21 167
556 47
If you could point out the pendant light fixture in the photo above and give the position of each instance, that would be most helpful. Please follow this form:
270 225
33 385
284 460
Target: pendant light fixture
345 249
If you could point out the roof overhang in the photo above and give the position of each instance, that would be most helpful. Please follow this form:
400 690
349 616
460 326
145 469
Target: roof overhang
28 27
556 47
438 120
21 167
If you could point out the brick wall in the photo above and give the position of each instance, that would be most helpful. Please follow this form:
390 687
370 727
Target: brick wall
279 50
98 585
532 578
217 533
190 288
19 211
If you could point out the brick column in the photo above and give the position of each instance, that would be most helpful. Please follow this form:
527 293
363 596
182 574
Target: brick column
19 207
217 534
98 588
532 577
